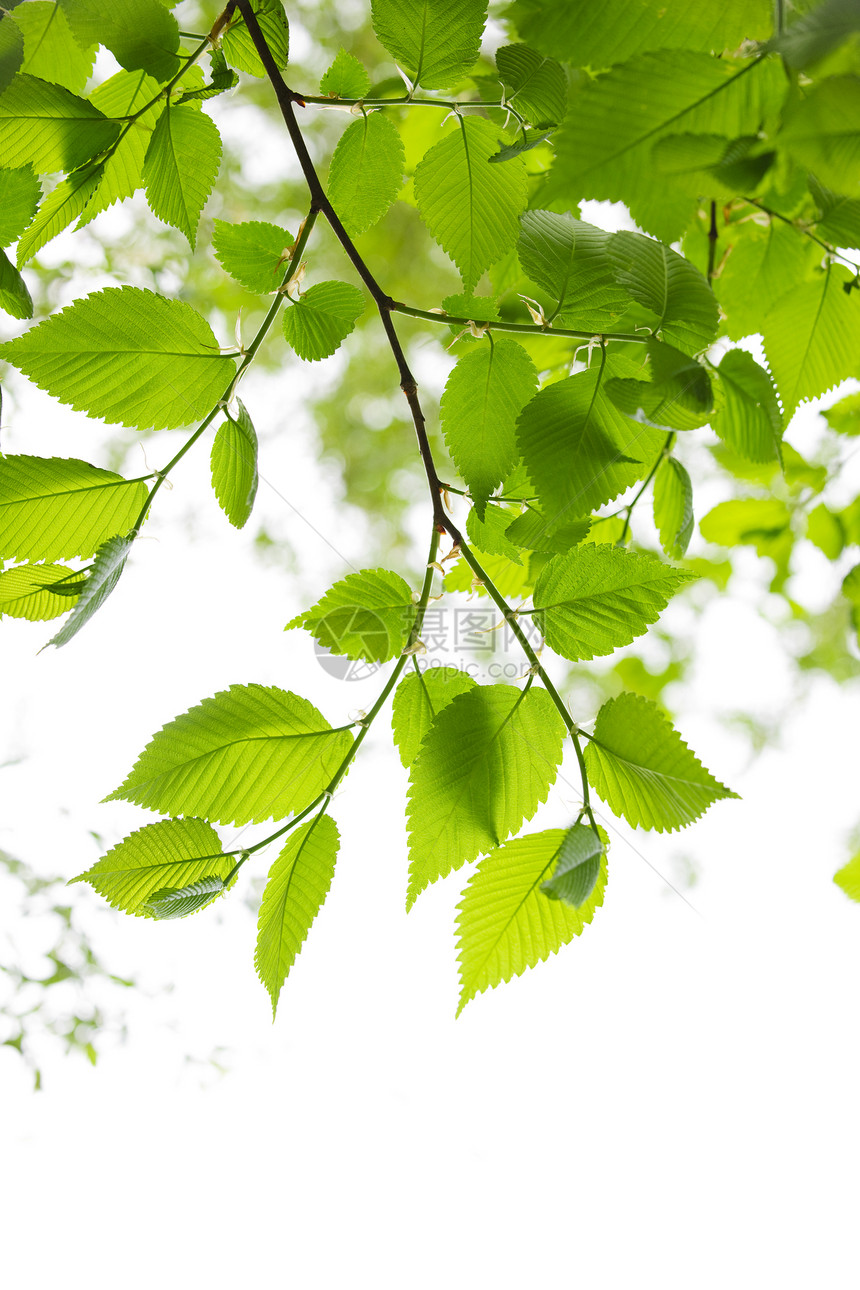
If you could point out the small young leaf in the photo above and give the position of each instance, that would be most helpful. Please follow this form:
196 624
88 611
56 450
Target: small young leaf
171 853
485 766
525 143
15 298
812 337
240 50
316 324
641 767
596 598
48 128
50 50
436 44
366 615
299 882
127 355
181 166
750 420
490 534
534 85
670 287
347 78
418 700
26 591
63 205
483 397
179 902
366 172
19 196
106 571
533 532
255 254
673 507
249 753
223 79
470 207
577 868
505 923
234 466
57 507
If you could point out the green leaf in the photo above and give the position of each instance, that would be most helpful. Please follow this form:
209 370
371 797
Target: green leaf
577 868
223 79
255 254
316 324
812 337
127 355
513 581
59 209
19 196
366 172
848 878
673 507
366 615
239 48
347 78
760 267
49 128
470 207
234 466
534 532
596 598
50 50
490 534
605 148
418 700
746 521
570 260
106 571
11 50
124 94
679 396
535 86
844 416
596 36
824 530
670 287
749 420
299 882
840 216
171 853
822 132
579 450
142 35
249 753
485 766
484 395
25 592
181 166
813 35
435 43
641 767
526 141
15 298
54 508
179 902
505 923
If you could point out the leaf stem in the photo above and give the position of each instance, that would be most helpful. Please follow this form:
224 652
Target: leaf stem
664 452
498 325
831 250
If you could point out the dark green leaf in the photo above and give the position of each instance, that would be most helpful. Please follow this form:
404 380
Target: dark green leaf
577 868
571 260
19 196
15 298
669 287
106 571
535 86
142 35
749 420
11 50
179 902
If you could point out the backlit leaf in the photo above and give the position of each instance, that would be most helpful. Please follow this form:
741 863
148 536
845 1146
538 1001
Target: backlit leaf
436 42
347 78
317 323
418 700
50 51
234 466
49 128
812 337
142 35
25 592
239 48
107 569
670 287
179 902
60 208
673 507
577 868
253 253
366 172
534 85
15 298
749 420
570 259
366 615
181 166
19 196
822 131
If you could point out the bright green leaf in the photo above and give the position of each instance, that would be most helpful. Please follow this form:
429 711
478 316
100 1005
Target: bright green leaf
596 598
366 172
761 265
25 592
11 50
822 131
234 466
844 416
57 507
436 42
15 298
848 878
179 902
673 507
535 86
749 420
366 615
485 766
570 260
577 868
824 530
812 337
240 50
50 51
298 884
483 397
535 533
124 94
679 396
813 35
670 287
746 521
505 923
490 534
470 206
641 767
19 196
840 216
60 208
107 569
127 355
249 753
317 323
181 166
49 128
255 254
171 853
347 78
142 35
418 700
